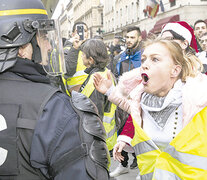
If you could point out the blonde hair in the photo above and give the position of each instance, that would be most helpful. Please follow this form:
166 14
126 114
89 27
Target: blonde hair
190 64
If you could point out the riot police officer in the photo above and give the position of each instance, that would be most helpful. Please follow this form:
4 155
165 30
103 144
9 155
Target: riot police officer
44 134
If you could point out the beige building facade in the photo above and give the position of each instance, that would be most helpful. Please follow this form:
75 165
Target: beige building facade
120 14
114 16
66 19
88 11
64 12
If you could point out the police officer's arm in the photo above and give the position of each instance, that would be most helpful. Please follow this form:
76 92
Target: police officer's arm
56 133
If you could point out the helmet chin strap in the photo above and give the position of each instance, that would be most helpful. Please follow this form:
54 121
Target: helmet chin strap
36 56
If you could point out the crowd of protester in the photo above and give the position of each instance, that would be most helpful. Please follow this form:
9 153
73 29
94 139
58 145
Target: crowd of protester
145 97
125 55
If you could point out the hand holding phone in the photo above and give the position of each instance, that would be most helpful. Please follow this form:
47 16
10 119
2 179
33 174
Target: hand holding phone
80 31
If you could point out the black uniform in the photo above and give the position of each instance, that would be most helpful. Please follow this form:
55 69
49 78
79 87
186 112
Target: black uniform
47 136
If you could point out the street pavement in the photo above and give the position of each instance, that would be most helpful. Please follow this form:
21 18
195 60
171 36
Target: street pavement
128 176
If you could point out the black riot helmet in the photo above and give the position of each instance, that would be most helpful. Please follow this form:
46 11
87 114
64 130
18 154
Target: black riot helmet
20 21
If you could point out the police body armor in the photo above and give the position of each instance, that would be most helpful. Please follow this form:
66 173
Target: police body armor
21 104
93 137
18 118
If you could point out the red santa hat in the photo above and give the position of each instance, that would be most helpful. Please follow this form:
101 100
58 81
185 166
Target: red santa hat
183 29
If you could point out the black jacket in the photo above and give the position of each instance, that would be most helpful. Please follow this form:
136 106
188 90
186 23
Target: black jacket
56 130
99 99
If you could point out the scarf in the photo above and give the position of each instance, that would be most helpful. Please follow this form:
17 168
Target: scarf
160 108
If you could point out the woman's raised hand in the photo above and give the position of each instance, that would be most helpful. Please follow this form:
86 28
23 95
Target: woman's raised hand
102 84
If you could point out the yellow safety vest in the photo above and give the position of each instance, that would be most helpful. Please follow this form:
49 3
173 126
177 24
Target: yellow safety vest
108 117
60 68
185 158
55 66
80 76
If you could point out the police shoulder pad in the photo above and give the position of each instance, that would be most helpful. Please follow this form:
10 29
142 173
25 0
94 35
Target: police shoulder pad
83 103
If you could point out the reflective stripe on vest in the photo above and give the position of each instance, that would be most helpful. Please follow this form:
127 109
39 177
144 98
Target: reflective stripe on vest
184 158
110 127
146 151
80 76
159 174
108 118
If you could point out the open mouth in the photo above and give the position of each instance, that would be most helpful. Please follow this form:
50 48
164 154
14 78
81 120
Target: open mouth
145 78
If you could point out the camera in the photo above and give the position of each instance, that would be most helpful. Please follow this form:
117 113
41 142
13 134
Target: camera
80 31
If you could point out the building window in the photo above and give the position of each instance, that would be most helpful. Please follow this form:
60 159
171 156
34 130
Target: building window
117 18
172 3
126 12
132 12
101 18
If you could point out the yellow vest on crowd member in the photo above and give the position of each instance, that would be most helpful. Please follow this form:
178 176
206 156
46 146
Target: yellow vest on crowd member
60 69
108 117
79 77
58 66
185 158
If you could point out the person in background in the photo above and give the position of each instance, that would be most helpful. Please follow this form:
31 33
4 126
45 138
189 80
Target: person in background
123 44
114 46
203 55
200 27
129 59
41 128
99 37
116 42
169 117
114 58
75 75
204 41
117 53
95 58
182 33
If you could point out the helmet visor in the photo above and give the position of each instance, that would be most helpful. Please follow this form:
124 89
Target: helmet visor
51 47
